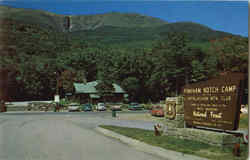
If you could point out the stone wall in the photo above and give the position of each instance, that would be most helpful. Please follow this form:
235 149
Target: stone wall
36 106
16 108
205 136
178 122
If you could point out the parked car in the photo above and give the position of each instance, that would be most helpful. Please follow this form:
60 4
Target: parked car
157 111
101 107
116 107
87 107
135 106
74 107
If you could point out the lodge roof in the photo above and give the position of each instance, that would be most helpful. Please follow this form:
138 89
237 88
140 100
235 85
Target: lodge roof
90 88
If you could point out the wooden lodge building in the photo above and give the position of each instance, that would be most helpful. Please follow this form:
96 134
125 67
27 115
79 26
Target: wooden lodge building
87 93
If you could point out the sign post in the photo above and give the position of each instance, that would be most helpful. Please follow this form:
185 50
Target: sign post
57 100
214 103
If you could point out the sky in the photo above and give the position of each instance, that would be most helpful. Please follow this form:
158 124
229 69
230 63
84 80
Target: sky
227 16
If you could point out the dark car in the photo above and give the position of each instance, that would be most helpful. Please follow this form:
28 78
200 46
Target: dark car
87 107
135 106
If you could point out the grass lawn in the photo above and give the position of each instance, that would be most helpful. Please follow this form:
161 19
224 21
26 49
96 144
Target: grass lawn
243 121
184 146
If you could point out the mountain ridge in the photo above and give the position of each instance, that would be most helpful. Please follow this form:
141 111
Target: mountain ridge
79 22
111 27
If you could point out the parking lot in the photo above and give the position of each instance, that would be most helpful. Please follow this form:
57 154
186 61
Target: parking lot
65 135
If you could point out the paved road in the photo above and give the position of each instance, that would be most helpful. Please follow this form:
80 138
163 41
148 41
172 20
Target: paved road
91 119
47 136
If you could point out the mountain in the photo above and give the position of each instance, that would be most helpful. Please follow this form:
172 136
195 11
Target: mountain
110 28
30 16
79 22
195 31
123 35
114 19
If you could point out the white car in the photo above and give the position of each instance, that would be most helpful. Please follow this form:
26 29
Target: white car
101 107
74 107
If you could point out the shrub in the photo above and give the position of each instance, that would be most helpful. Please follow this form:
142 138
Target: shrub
124 106
108 106
148 106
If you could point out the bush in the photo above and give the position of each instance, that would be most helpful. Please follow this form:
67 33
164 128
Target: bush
63 102
148 106
94 106
124 106
108 106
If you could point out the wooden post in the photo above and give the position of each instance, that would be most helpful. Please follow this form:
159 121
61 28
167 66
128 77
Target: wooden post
3 88
236 150
3 107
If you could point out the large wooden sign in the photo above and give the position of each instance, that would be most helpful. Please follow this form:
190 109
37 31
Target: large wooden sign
214 103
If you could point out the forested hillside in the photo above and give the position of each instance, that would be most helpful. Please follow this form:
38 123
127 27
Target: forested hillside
149 58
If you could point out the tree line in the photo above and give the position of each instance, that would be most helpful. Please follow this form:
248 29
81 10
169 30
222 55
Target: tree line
44 60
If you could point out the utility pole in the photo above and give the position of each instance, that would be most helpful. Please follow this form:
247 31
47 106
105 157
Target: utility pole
57 96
